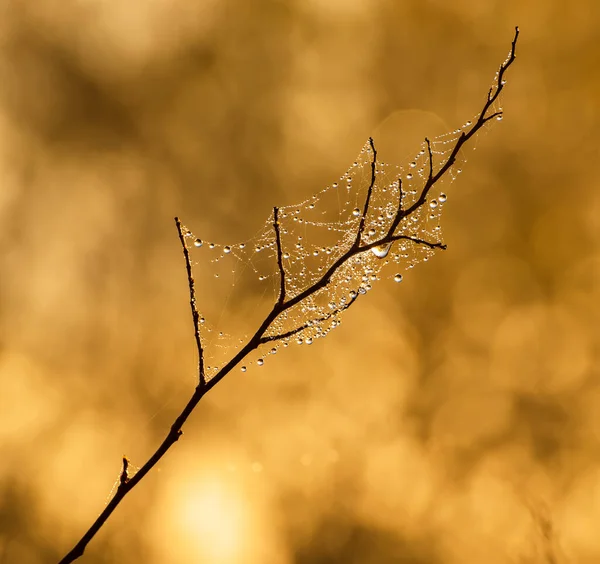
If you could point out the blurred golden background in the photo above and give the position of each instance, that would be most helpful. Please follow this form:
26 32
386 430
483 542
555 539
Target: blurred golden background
451 419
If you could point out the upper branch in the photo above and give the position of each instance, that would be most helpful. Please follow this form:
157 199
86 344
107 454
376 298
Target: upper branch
481 120
195 314
281 297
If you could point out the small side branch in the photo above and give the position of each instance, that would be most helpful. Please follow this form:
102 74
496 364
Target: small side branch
363 218
281 298
124 477
195 314
393 238
430 177
312 322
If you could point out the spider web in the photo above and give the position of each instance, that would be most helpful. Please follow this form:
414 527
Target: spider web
314 234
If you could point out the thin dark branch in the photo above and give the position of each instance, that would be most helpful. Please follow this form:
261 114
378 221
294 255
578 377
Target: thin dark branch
363 217
400 194
482 119
124 477
281 298
195 314
292 332
127 483
430 159
391 239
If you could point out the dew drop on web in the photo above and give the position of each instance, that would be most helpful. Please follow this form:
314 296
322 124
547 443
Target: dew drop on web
381 251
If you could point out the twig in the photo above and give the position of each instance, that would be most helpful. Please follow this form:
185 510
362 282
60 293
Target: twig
281 297
124 477
363 217
282 304
195 314
292 332
429 178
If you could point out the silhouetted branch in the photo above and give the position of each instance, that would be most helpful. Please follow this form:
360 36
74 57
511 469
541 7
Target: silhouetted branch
481 120
310 323
281 298
124 477
195 314
363 217
282 304
430 176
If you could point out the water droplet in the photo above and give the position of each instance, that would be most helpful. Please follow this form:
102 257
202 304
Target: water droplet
353 294
409 175
334 185
381 251
308 341
243 369
398 278
260 362
413 164
362 290
242 245
198 243
211 246
372 232
227 250
356 212
273 350
442 197
286 255
499 118
433 204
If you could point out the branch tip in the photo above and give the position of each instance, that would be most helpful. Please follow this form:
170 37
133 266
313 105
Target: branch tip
124 477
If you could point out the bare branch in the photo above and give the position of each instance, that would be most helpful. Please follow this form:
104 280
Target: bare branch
481 120
124 477
400 194
195 314
391 239
292 332
281 298
363 217
127 483
430 159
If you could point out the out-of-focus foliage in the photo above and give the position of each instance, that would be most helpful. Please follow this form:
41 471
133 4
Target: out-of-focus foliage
452 418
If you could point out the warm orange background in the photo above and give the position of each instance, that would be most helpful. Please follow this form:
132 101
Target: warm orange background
451 419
